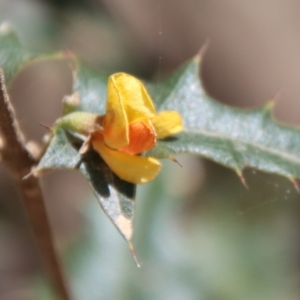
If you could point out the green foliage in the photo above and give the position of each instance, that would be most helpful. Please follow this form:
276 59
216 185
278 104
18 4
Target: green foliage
12 55
115 196
208 253
232 137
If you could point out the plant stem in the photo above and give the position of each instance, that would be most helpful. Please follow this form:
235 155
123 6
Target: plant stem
20 162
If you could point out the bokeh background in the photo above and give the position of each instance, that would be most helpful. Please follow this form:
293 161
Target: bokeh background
200 234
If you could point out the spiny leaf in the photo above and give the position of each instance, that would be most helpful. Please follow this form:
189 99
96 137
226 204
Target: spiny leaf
233 137
115 196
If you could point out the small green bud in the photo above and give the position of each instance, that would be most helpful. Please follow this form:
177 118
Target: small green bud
79 122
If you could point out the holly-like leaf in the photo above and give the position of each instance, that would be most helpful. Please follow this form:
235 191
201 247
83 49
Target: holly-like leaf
233 137
115 196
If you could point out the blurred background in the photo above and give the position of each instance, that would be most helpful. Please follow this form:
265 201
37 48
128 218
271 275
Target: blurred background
200 234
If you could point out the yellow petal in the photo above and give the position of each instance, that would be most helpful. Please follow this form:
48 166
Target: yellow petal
133 96
115 123
131 168
167 123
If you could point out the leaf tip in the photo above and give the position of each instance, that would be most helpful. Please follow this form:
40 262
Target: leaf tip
70 103
71 59
46 126
175 161
242 179
270 105
5 28
295 184
202 50
33 173
133 253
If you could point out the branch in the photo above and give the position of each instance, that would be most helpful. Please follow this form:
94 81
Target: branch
19 161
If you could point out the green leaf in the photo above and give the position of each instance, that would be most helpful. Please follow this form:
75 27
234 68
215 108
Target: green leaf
12 54
92 89
60 153
233 137
115 196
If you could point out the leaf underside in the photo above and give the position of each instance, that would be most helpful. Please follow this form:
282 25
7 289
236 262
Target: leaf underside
115 196
233 137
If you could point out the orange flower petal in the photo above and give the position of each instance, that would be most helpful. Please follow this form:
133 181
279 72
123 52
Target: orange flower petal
167 123
142 137
131 168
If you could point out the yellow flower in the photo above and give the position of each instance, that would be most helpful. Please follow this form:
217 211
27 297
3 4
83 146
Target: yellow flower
129 127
